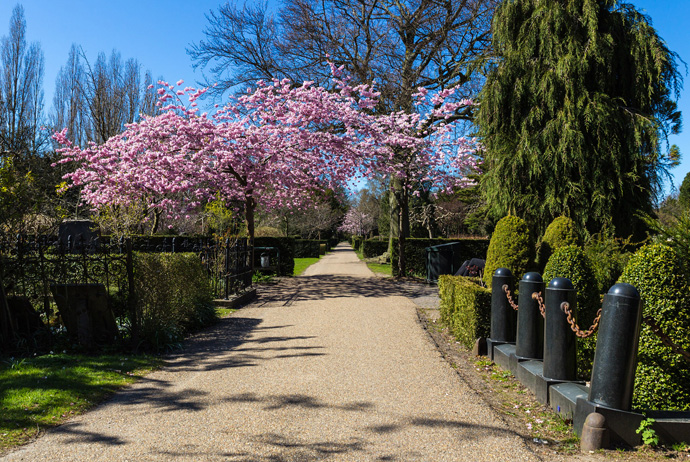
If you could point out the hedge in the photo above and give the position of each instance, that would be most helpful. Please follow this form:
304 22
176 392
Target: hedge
307 248
286 247
374 247
662 379
415 252
357 243
173 297
465 308
510 247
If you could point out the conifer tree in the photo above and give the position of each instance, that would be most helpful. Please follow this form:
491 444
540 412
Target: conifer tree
576 112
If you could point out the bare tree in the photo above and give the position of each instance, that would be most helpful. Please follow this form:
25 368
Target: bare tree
21 93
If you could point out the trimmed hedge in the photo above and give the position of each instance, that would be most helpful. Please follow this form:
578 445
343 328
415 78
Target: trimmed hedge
510 247
357 243
307 248
287 256
373 248
415 252
662 380
465 308
173 297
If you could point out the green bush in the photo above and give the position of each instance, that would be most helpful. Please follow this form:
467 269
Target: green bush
510 247
662 380
608 256
374 247
357 243
572 263
173 297
559 233
465 308
307 248
285 246
415 252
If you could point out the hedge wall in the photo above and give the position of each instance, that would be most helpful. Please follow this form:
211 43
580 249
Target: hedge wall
307 248
357 243
415 252
465 308
286 247
374 247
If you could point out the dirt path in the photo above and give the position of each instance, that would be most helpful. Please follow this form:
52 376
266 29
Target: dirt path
333 365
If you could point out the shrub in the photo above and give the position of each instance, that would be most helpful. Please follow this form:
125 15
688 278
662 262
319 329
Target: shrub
510 247
662 380
608 257
173 297
374 247
465 308
306 248
559 233
415 252
357 243
572 263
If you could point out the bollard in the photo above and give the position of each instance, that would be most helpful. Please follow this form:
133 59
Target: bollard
615 358
503 317
560 351
595 435
530 324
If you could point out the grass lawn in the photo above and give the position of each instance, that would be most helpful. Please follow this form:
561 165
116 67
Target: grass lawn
224 312
380 268
44 391
302 264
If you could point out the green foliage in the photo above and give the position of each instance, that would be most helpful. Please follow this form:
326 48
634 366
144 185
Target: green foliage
662 380
465 308
559 233
510 247
307 248
608 256
674 233
285 246
574 113
374 247
173 297
572 263
357 243
15 195
684 192
649 436
415 253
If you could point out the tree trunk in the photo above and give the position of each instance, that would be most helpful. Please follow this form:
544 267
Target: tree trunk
250 206
394 213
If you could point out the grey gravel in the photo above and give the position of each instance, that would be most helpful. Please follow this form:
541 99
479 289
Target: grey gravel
333 365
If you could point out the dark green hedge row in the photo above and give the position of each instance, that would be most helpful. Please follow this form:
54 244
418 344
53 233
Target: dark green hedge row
374 247
357 242
415 252
465 308
308 248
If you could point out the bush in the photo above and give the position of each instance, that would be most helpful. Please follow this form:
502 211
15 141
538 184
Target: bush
559 233
465 308
608 257
357 243
307 248
415 252
373 248
572 263
173 297
510 247
285 246
662 380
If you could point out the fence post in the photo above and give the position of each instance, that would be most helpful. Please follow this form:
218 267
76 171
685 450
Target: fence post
615 358
503 317
530 324
560 351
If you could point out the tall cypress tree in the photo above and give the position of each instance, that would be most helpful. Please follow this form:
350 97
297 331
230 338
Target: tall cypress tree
576 112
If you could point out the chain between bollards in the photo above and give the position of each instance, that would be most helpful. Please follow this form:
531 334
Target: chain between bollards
542 308
665 339
565 306
513 305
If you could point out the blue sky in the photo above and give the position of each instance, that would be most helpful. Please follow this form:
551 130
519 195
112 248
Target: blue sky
157 34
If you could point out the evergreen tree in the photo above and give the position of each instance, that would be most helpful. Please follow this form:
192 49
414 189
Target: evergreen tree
576 112
684 192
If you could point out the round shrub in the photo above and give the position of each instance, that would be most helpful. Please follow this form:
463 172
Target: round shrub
571 262
510 247
560 233
662 380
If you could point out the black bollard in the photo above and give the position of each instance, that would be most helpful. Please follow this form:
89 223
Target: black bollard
560 348
503 317
530 324
615 358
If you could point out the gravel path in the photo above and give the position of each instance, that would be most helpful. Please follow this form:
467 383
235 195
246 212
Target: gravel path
332 365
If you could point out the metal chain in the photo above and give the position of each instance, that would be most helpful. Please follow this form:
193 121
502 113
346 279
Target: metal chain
665 339
542 308
509 297
565 306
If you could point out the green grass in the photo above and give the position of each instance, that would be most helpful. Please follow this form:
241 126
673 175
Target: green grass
42 392
384 268
302 264
224 312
